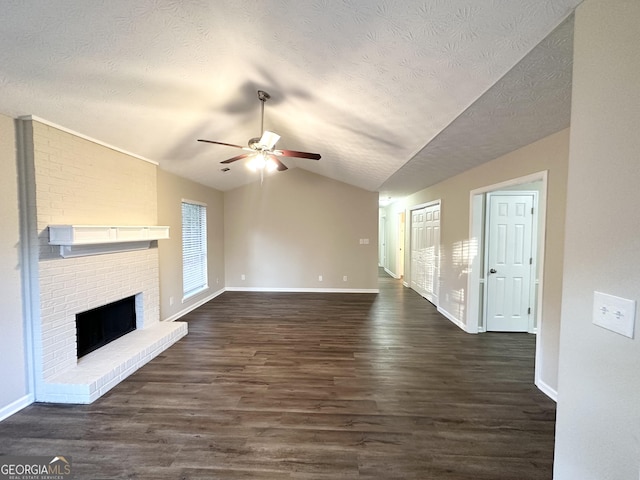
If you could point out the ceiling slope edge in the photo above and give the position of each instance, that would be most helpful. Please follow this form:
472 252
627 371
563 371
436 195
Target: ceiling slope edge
531 101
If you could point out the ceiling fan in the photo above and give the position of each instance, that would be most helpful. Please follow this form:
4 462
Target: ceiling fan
262 149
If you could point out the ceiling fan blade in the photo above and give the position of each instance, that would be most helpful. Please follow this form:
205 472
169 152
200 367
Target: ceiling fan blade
239 157
264 145
221 143
281 167
293 153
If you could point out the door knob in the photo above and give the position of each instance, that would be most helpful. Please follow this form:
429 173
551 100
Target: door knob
493 270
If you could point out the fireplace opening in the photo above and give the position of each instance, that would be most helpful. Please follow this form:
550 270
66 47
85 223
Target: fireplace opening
99 326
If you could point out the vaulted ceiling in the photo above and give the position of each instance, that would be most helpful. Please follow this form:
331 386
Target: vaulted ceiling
396 95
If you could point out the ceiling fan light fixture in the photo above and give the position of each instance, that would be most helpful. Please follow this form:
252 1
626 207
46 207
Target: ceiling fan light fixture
261 162
271 166
257 163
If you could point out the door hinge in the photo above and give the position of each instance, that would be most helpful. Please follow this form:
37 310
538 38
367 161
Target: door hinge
530 260
531 210
529 311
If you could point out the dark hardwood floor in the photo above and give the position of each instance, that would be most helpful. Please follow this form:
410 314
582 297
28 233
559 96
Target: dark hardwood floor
311 386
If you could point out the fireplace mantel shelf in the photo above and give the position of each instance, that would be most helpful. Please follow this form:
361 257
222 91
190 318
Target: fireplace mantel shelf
81 240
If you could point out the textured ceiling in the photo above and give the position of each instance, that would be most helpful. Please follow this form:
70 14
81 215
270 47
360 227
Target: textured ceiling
395 95
531 101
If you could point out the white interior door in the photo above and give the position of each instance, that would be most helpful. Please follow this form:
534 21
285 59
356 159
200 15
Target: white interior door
417 250
400 253
509 262
432 253
425 251
383 243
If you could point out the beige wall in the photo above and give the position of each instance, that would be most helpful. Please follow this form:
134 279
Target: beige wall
13 373
296 226
171 191
550 154
598 426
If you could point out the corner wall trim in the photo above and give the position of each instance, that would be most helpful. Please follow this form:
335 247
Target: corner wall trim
547 390
391 274
85 137
190 308
16 406
29 270
453 319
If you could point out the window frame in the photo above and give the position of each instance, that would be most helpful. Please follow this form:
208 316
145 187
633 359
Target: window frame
194 261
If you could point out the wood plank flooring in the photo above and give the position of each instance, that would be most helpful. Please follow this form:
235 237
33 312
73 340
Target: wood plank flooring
311 386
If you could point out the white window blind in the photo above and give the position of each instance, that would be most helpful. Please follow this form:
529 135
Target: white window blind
194 248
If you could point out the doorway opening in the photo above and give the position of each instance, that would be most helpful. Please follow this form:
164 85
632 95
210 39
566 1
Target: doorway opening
479 271
382 234
478 268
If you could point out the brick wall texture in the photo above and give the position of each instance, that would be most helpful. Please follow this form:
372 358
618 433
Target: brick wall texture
78 181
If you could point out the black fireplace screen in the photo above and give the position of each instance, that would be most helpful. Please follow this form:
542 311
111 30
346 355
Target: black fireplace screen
95 328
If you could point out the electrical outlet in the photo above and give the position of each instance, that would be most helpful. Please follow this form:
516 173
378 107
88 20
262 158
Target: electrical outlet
319 278
170 301
344 278
614 313
242 277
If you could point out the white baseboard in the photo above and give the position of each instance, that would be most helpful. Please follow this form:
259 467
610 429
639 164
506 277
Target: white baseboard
406 284
16 406
547 390
183 312
452 319
390 273
302 290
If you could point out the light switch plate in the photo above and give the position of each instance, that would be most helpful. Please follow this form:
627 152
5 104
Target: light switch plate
614 313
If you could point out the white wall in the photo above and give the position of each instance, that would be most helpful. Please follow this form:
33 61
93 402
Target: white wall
598 422
13 373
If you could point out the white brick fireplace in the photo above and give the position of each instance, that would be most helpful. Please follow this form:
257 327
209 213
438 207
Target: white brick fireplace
69 286
70 179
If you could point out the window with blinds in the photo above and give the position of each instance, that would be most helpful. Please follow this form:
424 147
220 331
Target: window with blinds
194 248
